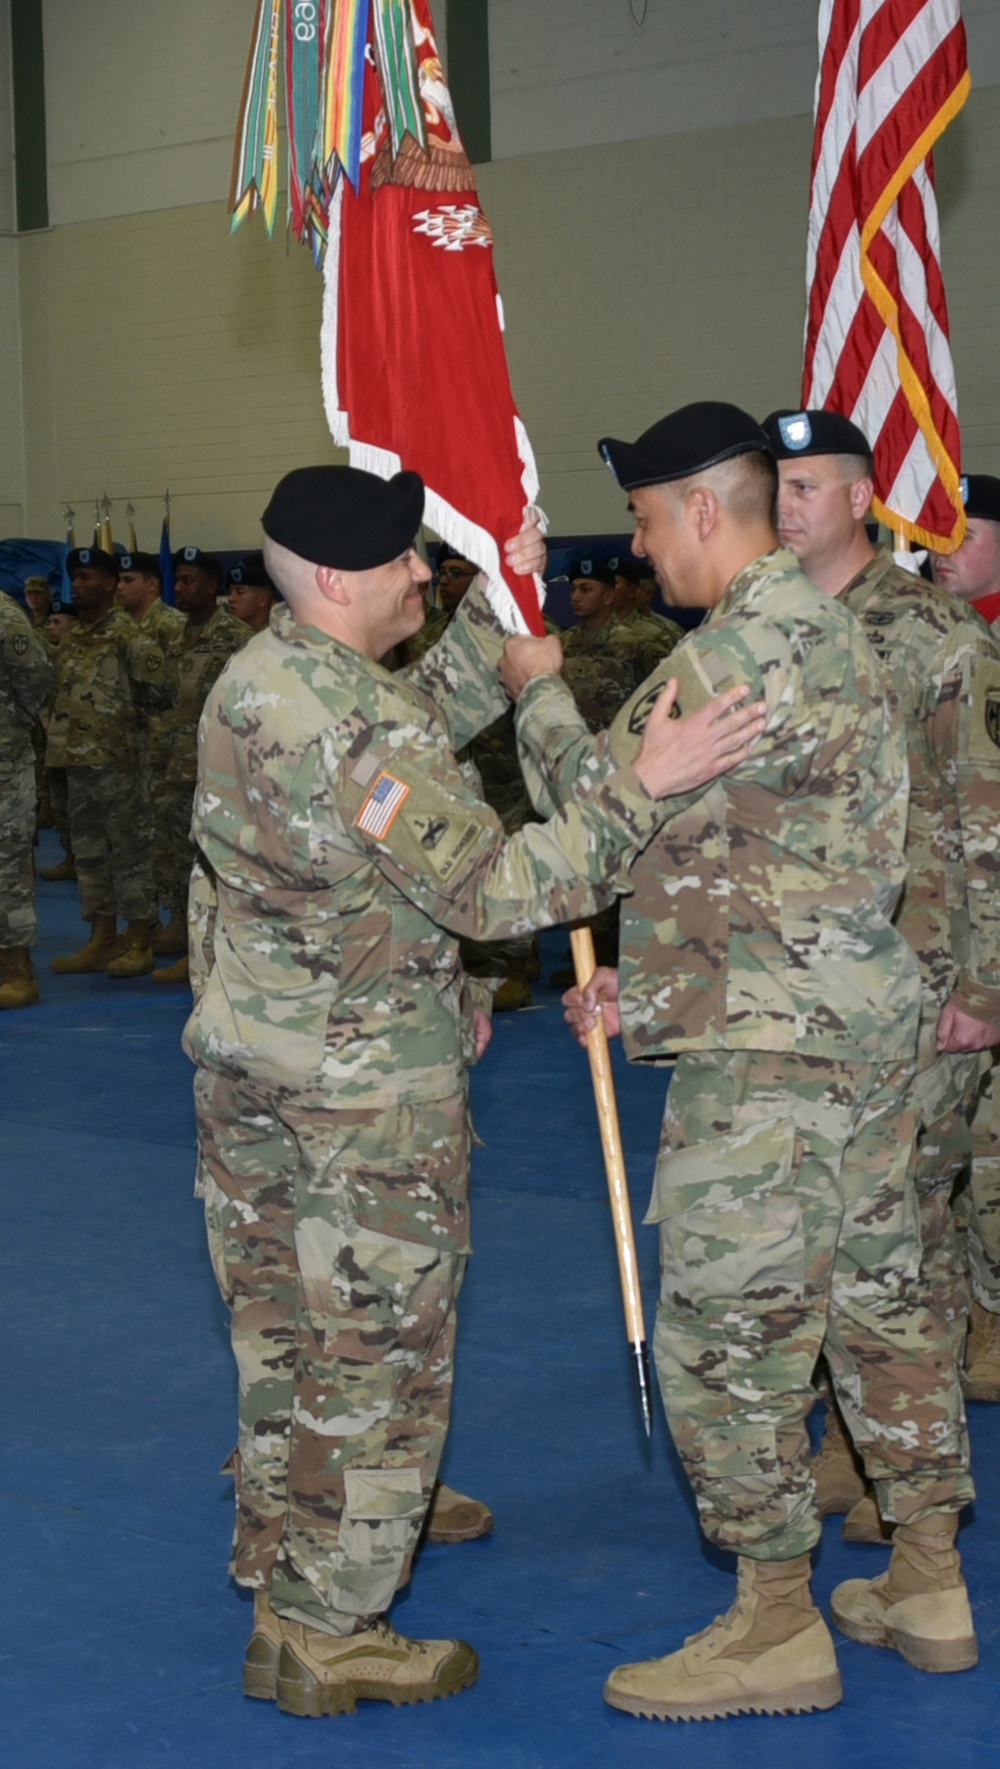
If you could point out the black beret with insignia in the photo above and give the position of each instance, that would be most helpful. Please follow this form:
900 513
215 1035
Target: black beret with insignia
687 442
631 569
981 496
91 559
251 573
599 571
146 564
814 433
343 517
445 555
206 562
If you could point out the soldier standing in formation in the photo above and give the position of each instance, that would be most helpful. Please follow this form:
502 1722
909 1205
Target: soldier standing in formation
758 948
140 594
107 678
25 680
332 1032
973 574
944 665
252 595
207 639
653 633
38 596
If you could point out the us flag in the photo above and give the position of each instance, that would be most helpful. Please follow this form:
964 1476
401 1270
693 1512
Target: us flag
892 75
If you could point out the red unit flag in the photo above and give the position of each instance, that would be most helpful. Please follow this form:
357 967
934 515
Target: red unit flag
892 75
414 367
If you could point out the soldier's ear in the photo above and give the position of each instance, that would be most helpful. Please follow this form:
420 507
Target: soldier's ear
331 585
862 492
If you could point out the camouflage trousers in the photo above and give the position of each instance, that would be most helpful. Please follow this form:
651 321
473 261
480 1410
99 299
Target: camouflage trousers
17 835
112 835
789 1222
977 1202
174 805
339 1242
58 792
945 1095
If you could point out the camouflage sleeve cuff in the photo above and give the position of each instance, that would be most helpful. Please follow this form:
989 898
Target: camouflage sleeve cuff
977 999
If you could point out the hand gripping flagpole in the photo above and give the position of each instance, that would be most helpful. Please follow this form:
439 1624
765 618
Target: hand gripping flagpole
582 942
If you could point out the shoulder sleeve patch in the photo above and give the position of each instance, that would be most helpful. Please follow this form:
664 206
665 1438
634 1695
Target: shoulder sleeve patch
382 806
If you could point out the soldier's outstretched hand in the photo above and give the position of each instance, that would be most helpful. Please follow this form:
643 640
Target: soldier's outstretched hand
681 754
525 657
599 998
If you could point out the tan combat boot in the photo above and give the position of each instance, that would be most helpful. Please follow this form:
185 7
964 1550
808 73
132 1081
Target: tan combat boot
981 1380
454 1517
137 958
920 1605
173 973
102 945
836 1468
319 1674
66 869
864 1522
19 988
260 1666
771 1653
170 941
514 992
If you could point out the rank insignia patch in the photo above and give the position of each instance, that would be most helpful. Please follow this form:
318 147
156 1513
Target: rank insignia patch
382 806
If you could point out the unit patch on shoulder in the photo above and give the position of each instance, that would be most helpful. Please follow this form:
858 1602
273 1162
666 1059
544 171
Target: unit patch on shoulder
382 806
444 841
19 644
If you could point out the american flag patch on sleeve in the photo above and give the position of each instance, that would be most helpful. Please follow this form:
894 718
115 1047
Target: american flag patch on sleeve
379 810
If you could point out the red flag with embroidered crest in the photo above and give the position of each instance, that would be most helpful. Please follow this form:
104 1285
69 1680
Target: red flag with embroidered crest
414 366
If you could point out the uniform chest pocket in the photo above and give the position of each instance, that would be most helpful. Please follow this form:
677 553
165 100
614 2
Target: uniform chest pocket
730 1222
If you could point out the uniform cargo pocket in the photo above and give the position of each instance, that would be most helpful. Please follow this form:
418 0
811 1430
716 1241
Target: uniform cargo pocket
731 1226
383 1511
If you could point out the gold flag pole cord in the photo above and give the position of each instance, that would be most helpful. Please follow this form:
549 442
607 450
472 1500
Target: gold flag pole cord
599 1053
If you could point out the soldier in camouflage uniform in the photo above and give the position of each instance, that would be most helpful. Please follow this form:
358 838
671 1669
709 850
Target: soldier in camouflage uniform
252 595
108 678
757 947
343 852
604 663
944 665
140 594
25 680
62 616
972 575
200 649
654 635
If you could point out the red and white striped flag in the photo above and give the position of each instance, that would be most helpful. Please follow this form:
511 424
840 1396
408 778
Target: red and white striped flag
892 75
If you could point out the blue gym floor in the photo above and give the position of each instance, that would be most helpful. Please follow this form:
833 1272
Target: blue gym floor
123 1639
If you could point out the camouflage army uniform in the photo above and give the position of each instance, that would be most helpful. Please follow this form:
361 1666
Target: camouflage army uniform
197 656
602 669
758 944
944 664
108 679
654 636
164 626
25 678
347 852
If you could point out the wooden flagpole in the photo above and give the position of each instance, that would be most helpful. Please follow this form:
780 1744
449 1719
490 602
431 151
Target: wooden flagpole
582 942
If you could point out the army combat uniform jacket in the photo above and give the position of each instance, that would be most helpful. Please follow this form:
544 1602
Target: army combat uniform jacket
348 851
107 677
197 656
944 663
761 914
26 671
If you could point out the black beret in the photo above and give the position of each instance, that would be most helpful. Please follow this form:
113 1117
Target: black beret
61 607
146 564
343 517
597 570
252 574
981 496
92 559
630 568
446 554
814 433
206 562
688 441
